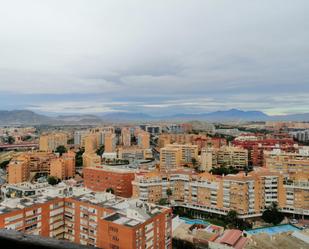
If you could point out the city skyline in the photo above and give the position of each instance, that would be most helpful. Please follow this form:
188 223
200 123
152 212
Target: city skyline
156 58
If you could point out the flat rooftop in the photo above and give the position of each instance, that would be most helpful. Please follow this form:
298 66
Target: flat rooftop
130 212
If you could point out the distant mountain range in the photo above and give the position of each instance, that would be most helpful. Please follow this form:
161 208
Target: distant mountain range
30 117
22 117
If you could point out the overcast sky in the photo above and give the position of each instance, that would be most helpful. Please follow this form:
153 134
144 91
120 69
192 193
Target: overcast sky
157 57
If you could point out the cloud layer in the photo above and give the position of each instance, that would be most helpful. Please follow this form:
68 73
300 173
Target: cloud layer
154 56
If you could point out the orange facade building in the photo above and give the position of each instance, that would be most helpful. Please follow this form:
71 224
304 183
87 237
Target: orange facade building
28 164
248 194
102 178
86 218
143 139
18 170
50 142
90 219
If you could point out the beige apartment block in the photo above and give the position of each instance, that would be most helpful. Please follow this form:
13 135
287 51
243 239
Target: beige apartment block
224 156
50 142
109 142
248 194
126 136
143 140
25 166
287 163
170 158
188 152
18 169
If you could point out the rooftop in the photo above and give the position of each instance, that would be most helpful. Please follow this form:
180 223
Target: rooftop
130 212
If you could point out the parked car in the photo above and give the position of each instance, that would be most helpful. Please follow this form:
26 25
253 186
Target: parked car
293 221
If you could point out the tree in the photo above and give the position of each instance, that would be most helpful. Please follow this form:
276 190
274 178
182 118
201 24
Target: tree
110 190
61 150
224 170
169 192
26 138
100 151
11 140
4 164
53 180
194 161
231 217
79 157
163 202
272 214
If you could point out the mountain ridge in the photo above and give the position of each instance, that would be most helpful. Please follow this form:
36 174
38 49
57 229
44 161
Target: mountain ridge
30 117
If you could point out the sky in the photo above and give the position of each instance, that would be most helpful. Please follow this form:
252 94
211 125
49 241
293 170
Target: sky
158 57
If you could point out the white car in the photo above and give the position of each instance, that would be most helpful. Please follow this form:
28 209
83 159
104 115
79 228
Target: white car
293 221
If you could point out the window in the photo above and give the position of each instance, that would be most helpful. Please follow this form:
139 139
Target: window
115 238
113 229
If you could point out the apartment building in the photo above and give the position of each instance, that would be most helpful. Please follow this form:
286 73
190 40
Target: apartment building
126 136
232 156
203 141
63 167
296 195
99 132
87 218
91 143
224 156
79 137
90 157
143 140
101 178
91 160
200 140
178 128
50 142
257 147
22 189
188 152
248 194
18 169
302 136
134 153
152 186
207 160
28 164
288 163
152 129
165 139
110 142
170 158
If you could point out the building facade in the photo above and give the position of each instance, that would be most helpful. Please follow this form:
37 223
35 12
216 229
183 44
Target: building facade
288 163
101 178
248 194
50 142
86 218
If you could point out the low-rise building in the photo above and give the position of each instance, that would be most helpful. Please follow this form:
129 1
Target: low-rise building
134 153
101 178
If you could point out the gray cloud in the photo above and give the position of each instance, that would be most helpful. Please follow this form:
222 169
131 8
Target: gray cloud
157 57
